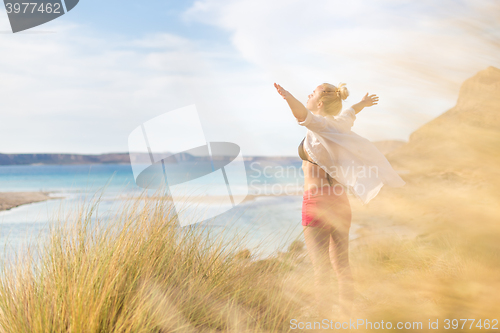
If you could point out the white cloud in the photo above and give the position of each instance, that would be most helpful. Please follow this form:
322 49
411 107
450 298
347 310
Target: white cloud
71 92
413 54
74 91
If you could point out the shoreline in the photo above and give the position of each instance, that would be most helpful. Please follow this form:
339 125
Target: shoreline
9 200
370 225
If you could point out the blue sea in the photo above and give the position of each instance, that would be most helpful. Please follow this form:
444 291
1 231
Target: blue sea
274 221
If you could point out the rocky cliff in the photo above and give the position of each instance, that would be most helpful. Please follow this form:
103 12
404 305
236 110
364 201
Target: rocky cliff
464 140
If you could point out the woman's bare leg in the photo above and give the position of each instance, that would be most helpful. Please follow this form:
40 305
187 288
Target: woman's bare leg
318 243
329 248
339 255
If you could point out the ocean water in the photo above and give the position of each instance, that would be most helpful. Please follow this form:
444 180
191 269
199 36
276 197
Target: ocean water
271 221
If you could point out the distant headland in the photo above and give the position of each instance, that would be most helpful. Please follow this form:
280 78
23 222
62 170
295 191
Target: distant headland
124 158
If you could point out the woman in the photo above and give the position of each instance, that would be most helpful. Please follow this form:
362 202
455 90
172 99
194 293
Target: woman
335 160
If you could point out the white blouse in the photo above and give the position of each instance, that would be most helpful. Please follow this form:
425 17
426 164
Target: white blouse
350 159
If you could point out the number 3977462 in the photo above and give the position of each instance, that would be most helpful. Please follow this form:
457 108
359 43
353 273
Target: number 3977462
32 7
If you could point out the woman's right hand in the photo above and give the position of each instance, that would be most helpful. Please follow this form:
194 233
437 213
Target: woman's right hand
369 100
366 101
285 94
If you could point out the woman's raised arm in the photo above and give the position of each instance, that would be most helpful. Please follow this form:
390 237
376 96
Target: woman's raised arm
298 109
366 101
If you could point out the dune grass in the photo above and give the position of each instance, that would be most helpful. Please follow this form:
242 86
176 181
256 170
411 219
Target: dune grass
140 272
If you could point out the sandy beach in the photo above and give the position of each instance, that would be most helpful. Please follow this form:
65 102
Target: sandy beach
217 199
10 200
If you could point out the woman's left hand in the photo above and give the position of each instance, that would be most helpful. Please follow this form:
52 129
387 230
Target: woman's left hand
282 91
369 100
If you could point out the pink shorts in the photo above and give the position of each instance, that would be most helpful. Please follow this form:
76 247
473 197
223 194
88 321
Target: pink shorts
326 207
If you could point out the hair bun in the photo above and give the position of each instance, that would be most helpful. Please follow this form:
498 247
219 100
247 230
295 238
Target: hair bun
342 91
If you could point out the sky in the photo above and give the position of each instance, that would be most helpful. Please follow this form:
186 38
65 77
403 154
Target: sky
83 82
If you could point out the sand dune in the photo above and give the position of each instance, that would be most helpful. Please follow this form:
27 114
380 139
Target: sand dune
464 139
453 184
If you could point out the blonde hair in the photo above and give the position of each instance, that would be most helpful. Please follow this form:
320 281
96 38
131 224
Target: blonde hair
332 98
